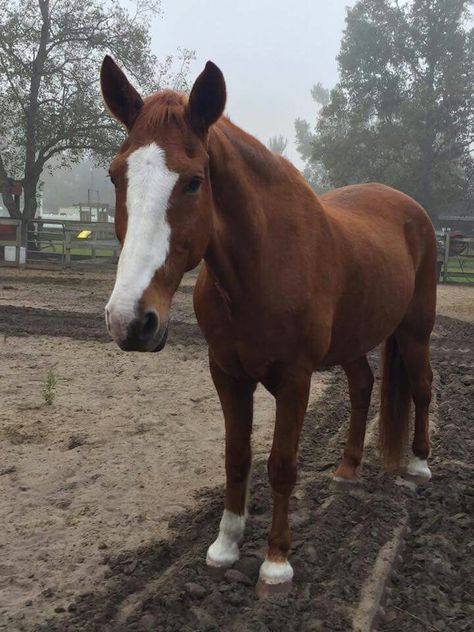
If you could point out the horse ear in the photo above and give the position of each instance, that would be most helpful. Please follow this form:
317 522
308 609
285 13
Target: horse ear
207 98
119 95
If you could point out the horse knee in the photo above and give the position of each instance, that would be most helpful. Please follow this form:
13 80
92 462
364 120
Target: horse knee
282 473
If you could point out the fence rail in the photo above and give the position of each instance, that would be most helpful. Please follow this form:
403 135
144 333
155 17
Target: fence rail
58 243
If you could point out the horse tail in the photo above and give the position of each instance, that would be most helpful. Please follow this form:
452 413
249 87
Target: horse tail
394 406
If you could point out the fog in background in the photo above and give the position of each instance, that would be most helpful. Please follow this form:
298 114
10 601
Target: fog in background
271 53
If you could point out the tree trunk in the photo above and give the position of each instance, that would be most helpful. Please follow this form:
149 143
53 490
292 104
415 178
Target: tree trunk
30 185
8 199
11 205
33 167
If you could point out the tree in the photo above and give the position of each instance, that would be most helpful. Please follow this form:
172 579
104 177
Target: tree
50 104
277 144
403 110
314 170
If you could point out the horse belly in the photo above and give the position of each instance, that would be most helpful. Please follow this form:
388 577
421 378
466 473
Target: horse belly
371 309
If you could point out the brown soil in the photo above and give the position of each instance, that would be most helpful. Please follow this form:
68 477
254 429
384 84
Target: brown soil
111 495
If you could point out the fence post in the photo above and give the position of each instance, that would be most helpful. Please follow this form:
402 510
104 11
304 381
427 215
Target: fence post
446 255
18 244
67 247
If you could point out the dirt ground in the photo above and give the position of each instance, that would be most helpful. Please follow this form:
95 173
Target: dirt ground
110 496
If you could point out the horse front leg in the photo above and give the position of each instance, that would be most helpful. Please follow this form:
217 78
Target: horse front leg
276 572
236 397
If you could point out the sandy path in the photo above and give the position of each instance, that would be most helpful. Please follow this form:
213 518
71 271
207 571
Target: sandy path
127 443
456 301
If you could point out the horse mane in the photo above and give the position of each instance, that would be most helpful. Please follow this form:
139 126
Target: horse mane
256 155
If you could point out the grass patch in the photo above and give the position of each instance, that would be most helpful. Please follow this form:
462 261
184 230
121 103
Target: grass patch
49 388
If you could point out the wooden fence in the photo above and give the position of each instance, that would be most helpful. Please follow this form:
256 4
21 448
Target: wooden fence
58 243
456 258
74 243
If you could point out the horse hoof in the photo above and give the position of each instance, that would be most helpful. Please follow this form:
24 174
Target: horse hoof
341 480
264 590
275 578
220 564
346 474
216 572
222 554
418 469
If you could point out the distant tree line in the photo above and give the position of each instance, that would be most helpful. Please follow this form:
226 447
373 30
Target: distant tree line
403 110
278 144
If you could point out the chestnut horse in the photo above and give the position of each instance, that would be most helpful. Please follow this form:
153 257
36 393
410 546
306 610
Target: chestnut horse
290 282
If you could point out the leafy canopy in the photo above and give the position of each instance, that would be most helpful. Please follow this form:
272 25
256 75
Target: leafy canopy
402 112
50 103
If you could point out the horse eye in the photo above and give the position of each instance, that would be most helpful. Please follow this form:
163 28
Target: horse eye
112 179
193 185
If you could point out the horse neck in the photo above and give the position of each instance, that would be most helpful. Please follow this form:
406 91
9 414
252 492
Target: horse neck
246 209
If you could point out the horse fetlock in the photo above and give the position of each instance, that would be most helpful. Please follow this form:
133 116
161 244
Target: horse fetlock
419 468
224 551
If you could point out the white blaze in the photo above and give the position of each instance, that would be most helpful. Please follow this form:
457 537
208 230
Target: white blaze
146 245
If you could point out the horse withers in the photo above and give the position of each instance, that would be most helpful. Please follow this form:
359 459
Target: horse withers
290 283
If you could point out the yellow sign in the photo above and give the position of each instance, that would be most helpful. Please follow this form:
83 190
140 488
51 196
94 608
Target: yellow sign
84 234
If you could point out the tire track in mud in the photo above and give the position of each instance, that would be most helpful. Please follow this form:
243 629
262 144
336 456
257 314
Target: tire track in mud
337 536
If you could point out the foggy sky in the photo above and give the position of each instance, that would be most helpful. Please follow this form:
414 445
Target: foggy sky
271 53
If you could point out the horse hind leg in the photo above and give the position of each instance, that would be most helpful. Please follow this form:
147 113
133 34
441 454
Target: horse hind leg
414 350
360 381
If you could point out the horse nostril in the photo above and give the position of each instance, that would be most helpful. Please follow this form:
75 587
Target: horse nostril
150 325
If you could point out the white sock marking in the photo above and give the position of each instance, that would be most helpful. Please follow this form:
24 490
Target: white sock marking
418 467
276 572
146 246
225 550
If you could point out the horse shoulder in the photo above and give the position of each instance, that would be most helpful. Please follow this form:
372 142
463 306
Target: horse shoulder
213 313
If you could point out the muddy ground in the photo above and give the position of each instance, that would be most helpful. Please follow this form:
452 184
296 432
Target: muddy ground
111 495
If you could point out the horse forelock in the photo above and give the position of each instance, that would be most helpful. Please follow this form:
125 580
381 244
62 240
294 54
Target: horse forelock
164 109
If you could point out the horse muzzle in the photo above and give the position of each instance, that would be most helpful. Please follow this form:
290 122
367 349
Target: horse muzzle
145 333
